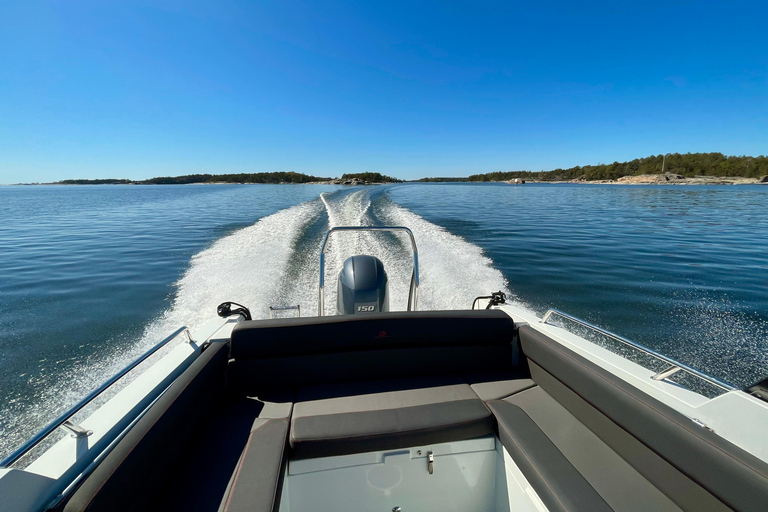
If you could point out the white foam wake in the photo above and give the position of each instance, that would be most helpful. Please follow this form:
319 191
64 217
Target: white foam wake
247 266
262 265
453 271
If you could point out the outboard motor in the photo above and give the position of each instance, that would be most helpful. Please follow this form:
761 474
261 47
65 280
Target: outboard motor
363 286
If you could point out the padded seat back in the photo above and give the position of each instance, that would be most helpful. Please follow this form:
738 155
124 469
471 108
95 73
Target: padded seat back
297 352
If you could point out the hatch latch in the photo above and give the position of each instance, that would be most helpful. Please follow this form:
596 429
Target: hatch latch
430 462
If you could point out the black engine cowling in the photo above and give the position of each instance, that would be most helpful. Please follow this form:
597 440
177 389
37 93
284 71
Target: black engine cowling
363 286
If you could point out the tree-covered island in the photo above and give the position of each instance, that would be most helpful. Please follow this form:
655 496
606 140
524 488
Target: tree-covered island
261 177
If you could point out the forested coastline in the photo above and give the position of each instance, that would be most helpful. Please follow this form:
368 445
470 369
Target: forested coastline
688 165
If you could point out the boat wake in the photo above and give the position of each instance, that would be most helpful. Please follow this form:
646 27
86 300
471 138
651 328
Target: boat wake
276 262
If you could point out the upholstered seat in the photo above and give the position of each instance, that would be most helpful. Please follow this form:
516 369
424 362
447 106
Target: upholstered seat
256 483
384 415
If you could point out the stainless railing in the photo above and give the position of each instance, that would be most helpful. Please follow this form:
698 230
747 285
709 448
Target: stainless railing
64 419
674 366
413 291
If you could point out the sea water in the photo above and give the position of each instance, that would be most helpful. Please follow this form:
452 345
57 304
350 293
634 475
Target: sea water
92 275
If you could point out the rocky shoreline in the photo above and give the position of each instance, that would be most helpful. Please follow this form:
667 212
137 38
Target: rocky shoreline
338 181
665 179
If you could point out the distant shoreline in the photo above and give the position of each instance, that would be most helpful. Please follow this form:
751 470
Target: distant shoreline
646 179
665 179
681 169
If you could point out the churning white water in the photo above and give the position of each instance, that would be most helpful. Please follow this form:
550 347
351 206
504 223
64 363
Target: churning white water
261 265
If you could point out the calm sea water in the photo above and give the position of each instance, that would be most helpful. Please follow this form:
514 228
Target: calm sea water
91 275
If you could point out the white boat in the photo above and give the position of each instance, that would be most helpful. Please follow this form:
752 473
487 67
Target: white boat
474 410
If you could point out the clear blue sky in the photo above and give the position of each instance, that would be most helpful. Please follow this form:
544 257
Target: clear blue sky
151 88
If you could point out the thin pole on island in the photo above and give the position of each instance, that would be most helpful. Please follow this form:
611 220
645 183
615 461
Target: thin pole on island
663 161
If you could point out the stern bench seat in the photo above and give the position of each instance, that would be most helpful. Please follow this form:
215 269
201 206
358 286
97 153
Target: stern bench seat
365 383
380 381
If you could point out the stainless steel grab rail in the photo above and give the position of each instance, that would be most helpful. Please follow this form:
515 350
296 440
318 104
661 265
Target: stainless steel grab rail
63 420
296 308
413 292
675 366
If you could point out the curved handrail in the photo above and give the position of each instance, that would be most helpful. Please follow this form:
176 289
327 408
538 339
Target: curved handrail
64 418
675 366
413 292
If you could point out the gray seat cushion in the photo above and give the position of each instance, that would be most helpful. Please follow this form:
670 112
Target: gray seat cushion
257 481
366 419
622 487
310 351
277 404
498 389
559 485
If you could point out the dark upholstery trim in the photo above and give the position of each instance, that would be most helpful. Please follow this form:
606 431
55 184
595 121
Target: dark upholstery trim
257 481
736 477
321 335
131 477
559 485
357 432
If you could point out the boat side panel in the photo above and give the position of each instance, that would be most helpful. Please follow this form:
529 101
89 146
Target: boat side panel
735 415
145 456
734 476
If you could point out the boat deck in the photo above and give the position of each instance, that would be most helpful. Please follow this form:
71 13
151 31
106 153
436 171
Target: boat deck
246 423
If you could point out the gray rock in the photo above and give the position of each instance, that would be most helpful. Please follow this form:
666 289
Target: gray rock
764 179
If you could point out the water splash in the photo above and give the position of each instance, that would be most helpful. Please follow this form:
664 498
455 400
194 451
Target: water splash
718 336
245 267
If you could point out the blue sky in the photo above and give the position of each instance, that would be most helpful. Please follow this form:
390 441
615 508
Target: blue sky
142 89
